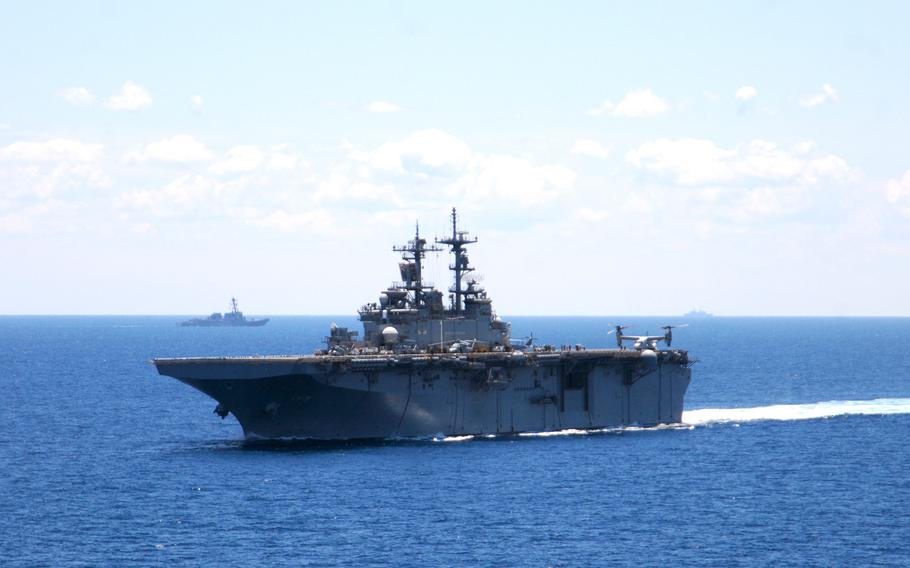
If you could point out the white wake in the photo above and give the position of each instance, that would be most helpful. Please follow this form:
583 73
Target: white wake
705 416
809 411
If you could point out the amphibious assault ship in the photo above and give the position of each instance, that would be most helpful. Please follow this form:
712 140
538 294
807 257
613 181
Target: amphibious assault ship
424 369
233 318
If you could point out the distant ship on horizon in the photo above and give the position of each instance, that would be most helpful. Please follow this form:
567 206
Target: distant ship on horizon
697 313
234 318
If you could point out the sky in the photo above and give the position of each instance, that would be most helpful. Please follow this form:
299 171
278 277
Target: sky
613 158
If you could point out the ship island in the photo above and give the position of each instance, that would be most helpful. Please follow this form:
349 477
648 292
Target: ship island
425 368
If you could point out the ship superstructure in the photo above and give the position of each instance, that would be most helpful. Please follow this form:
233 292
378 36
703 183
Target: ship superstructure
428 368
411 314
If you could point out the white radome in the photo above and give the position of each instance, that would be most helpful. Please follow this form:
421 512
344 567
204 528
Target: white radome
390 335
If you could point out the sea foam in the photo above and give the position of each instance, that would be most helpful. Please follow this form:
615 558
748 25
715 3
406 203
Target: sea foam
808 411
705 416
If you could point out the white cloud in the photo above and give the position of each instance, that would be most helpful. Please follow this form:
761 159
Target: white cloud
181 195
828 167
396 217
768 201
383 106
804 147
897 192
198 102
827 95
636 205
514 180
690 161
636 104
427 151
341 188
43 169
143 228
281 161
130 97
71 176
591 215
45 179
16 222
56 150
433 166
239 159
28 218
77 96
181 148
591 148
315 220
746 92
273 197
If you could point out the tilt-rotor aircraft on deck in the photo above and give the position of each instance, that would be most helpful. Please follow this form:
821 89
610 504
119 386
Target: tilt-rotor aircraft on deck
425 369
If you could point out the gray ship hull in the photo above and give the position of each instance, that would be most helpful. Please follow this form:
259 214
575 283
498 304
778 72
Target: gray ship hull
421 396
224 323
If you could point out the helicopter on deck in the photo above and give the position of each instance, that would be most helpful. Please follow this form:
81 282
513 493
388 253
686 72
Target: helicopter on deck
642 342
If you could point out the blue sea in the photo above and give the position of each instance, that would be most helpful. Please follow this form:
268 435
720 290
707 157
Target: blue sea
796 455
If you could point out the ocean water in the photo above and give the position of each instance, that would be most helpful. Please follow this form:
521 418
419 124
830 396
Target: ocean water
796 454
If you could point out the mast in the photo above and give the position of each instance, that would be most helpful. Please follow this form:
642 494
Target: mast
413 253
458 241
233 305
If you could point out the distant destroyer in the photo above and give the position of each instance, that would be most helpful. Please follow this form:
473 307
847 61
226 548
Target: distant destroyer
234 318
696 313
426 369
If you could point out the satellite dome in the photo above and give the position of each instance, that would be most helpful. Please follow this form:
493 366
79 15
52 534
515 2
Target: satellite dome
390 335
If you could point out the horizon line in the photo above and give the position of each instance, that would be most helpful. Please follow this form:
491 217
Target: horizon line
691 318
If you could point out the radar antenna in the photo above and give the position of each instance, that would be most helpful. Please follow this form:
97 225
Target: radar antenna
412 268
458 241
